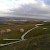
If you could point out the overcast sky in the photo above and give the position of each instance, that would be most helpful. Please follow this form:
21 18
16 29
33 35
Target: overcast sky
28 8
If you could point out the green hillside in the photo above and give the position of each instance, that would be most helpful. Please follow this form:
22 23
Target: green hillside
36 39
34 43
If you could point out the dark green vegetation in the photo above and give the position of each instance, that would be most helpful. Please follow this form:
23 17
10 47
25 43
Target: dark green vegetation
37 43
6 41
37 39
39 31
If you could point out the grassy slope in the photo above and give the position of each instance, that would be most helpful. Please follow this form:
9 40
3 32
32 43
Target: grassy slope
38 39
37 43
39 31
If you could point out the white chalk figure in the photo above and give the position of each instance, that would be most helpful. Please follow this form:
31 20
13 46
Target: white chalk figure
8 30
21 30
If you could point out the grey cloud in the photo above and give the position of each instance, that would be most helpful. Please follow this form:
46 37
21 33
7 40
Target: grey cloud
30 10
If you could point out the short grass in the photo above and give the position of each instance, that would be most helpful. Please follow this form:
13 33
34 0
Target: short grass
39 31
34 43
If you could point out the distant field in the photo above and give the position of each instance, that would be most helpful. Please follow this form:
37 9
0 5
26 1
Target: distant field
15 33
